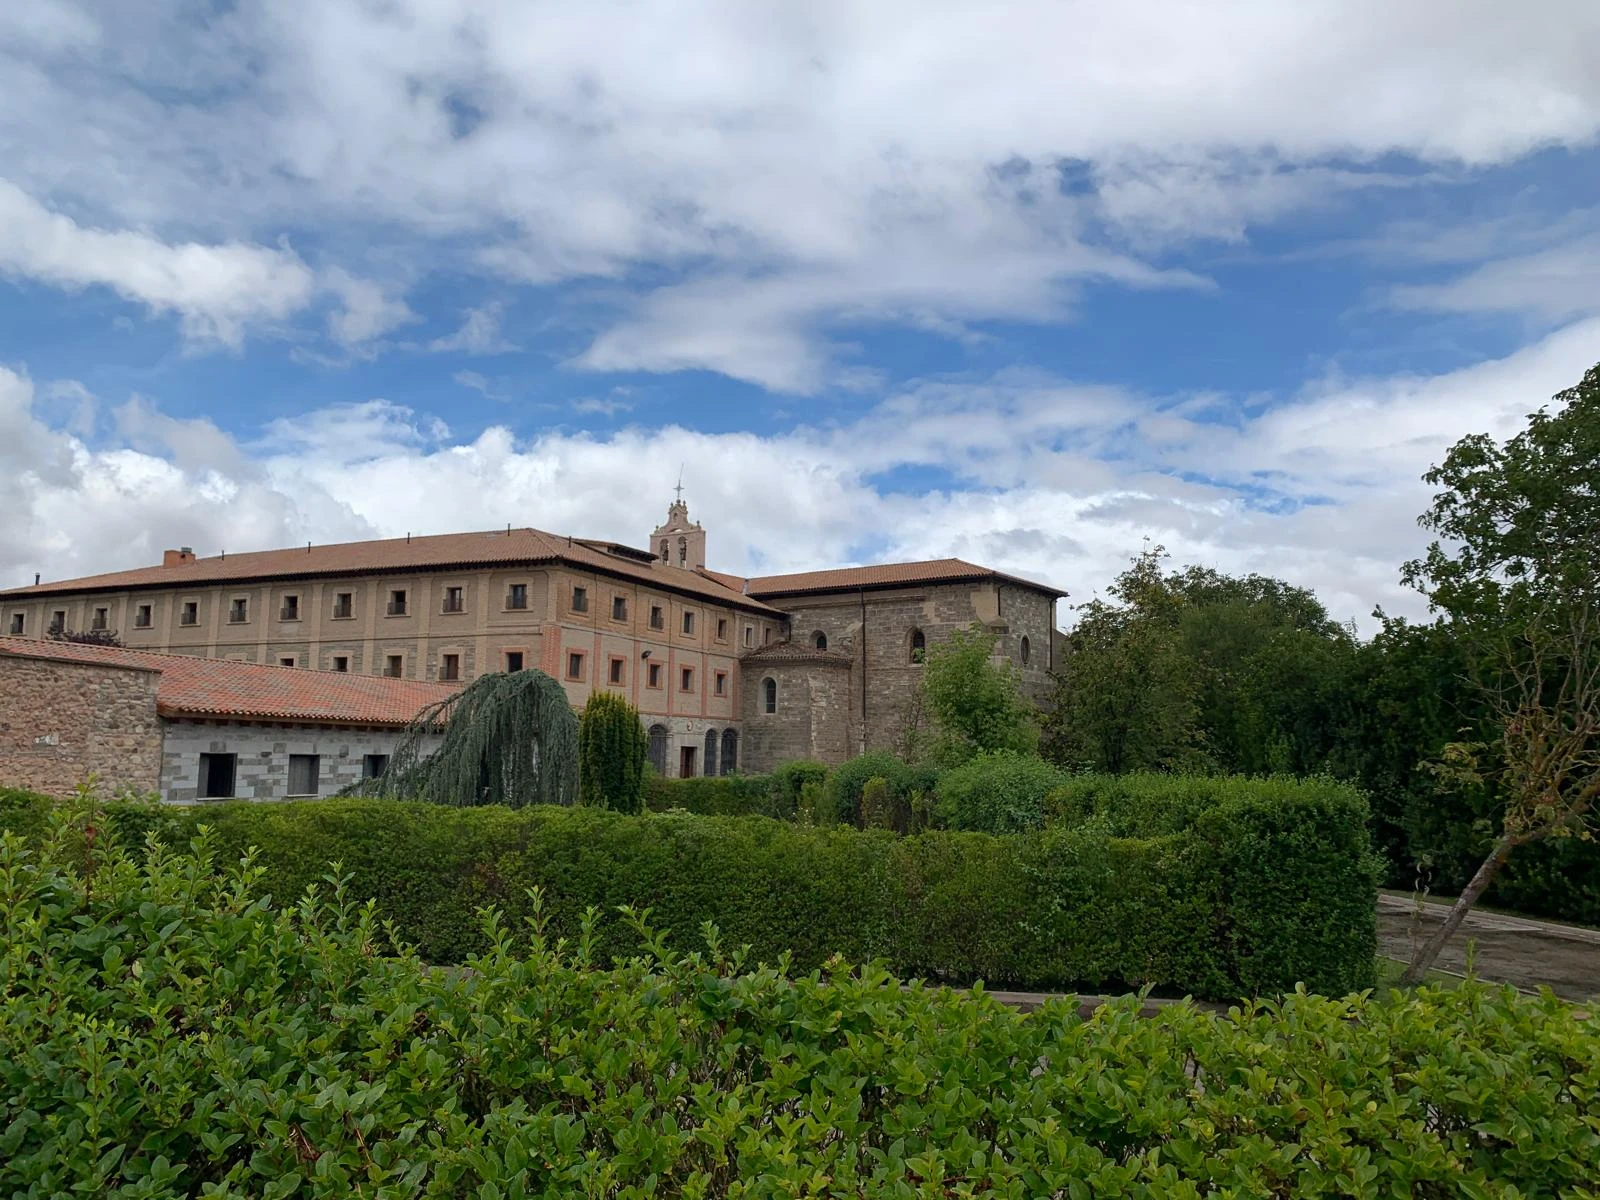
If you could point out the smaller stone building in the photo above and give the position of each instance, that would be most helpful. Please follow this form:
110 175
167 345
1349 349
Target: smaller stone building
192 728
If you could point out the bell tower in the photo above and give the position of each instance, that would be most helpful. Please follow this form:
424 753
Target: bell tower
679 542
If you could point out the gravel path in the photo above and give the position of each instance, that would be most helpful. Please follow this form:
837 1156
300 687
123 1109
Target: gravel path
1516 950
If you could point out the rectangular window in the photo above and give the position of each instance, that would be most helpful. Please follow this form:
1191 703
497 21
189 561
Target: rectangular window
286 661
304 770
617 667
658 619
453 601
574 666
239 611
374 765
58 620
654 675
619 608
141 617
343 606
749 635
341 663
100 619
290 611
517 596
688 622
216 776
766 635
450 667
190 614
394 666
722 629
513 660
19 622
722 683
686 680
397 602
580 599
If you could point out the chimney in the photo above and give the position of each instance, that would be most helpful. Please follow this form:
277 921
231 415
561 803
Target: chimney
176 558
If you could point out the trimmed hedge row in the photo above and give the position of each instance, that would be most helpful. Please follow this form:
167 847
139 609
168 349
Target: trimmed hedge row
165 1035
1265 889
713 796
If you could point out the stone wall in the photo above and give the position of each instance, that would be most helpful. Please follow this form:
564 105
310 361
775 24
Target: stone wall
813 715
262 756
62 721
876 628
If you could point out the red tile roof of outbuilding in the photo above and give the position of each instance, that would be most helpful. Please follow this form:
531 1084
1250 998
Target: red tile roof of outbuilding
191 686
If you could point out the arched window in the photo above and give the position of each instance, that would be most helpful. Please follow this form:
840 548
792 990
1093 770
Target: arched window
1027 650
819 640
919 646
730 752
683 551
711 752
769 695
666 551
658 748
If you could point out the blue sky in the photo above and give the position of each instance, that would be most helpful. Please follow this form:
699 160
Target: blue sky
1029 282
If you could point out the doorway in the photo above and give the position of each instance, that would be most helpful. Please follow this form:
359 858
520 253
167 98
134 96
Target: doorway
686 758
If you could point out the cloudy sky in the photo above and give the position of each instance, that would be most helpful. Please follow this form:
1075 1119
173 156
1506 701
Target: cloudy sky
1025 281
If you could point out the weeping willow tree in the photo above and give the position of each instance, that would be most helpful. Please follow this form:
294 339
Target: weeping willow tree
507 739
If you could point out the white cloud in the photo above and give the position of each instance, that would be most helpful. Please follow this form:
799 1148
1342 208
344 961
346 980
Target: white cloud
1051 479
368 310
215 289
1554 284
785 170
479 333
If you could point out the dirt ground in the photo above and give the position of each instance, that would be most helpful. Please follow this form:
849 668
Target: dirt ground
1516 950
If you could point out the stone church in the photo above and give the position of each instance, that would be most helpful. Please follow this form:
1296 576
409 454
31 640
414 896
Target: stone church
728 673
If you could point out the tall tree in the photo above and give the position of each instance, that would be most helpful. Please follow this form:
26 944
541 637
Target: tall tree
507 739
1125 696
976 701
612 745
1513 570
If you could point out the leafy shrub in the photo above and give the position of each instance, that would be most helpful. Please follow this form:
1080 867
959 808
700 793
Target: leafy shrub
710 795
996 793
612 747
848 779
167 1033
789 780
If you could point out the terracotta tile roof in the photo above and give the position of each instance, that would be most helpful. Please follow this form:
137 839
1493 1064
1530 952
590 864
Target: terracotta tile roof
211 687
936 570
796 652
437 552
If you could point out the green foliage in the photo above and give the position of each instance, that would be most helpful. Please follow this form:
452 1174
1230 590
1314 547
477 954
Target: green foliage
1519 519
847 780
1132 895
509 738
789 780
976 702
612 748
879 809
996 793
712 796
168 1033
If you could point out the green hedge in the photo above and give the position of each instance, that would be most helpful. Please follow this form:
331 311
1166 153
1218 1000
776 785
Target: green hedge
712 796
162 1035
1268 888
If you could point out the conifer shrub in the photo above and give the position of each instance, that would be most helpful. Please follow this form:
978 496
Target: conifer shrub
612 748
879 809
170 1030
